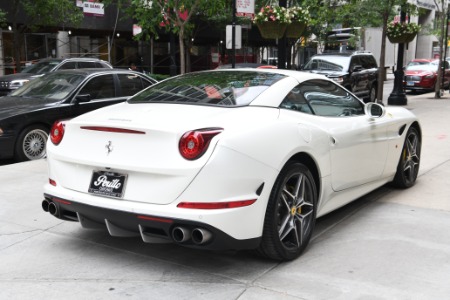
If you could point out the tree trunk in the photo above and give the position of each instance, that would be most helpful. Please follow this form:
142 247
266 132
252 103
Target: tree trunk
441 21
182 54
17 33
382 69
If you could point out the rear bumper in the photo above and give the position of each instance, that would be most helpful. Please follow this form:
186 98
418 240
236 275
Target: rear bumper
151 228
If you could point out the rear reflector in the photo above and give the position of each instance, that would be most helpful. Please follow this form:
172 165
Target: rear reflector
216 205
112 129
61 201
52 182
161 220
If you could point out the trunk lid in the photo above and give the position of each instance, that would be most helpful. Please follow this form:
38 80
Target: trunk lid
147 154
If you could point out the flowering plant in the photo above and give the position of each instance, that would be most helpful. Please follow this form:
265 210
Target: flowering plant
397 29
299 14
270 13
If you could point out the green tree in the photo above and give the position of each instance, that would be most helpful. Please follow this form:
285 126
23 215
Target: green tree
327 14
2 17
376 13
175 16
41 13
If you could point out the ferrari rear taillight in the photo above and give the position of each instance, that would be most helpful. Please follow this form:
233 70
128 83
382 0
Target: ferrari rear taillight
57 132
194 143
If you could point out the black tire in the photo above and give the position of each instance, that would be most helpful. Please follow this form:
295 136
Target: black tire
31 143
409 163
373 93
290 215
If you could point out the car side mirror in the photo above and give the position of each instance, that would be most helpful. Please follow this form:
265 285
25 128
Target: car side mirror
374 110
83 98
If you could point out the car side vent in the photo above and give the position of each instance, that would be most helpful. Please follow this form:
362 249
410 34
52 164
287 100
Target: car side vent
260 189
401 130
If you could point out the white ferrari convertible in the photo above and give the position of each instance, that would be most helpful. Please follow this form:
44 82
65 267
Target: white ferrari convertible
228 159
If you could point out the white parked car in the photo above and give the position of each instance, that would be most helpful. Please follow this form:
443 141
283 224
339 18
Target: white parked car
228 159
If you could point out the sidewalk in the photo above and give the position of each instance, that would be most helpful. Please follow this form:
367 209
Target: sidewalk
389 244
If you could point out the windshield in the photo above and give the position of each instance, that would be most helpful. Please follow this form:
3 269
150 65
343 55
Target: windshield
328 63
41 67
223 88
53 87
429 66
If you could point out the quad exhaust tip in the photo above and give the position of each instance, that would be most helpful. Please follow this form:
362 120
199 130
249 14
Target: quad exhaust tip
50 207
200 236
45 205
181 234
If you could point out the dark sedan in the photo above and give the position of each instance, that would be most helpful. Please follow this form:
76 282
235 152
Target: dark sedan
26 115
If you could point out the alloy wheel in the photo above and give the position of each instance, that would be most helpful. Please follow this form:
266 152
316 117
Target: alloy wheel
290 213
295 211
411 157
33 145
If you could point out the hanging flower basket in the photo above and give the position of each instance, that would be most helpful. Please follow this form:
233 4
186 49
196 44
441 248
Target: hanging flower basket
402 32
410 37
272 21
298 17
404 38
272 30
396 39
295 30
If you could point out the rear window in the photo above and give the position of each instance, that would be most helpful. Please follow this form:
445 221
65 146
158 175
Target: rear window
328 63
86 64
101 65
42 67
51 88
222 88
423 67
130 84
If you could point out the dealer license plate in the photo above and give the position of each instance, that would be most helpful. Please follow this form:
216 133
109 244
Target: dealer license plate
410 83
107 184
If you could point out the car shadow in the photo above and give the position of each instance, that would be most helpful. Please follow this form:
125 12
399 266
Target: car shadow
333 219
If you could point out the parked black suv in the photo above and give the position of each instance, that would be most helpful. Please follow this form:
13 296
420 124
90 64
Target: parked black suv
356 71
12 82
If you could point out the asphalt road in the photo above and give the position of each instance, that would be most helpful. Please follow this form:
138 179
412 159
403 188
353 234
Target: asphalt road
389 244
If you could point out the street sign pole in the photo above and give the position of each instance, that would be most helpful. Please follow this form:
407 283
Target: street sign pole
282 44
233 37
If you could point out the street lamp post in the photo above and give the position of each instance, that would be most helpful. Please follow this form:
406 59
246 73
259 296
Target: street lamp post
233 36
398 96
